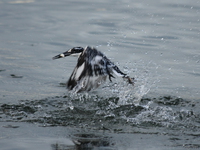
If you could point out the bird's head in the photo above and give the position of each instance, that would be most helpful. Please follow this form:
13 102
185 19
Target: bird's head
75 51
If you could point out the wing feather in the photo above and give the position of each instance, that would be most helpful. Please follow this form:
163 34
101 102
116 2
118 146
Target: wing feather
91 71
88 74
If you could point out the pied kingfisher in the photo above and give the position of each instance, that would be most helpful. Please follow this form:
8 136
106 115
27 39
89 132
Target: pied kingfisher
91 70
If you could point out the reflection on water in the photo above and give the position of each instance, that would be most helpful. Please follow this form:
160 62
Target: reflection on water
87 141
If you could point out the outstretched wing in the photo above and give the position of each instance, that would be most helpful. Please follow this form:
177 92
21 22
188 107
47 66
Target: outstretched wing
88 74
92 70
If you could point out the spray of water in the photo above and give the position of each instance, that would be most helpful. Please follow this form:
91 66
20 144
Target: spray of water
145 78
120 90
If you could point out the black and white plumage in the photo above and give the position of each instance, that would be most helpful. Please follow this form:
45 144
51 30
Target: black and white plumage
91 70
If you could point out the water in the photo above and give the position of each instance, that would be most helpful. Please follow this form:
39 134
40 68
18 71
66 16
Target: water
157 42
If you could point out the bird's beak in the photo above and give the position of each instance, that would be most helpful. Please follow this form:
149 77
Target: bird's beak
65 54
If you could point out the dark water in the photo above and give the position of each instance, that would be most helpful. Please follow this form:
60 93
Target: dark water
155 42
92 121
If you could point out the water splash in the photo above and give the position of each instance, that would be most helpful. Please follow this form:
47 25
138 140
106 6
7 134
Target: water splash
144 81
156 116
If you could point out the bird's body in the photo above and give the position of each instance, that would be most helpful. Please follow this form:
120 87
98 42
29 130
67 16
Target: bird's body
91 70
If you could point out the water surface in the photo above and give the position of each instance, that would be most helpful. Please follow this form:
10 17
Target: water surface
157 42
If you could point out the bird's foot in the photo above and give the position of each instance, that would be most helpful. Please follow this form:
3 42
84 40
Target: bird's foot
130 80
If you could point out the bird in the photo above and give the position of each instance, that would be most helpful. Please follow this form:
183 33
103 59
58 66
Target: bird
92 69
